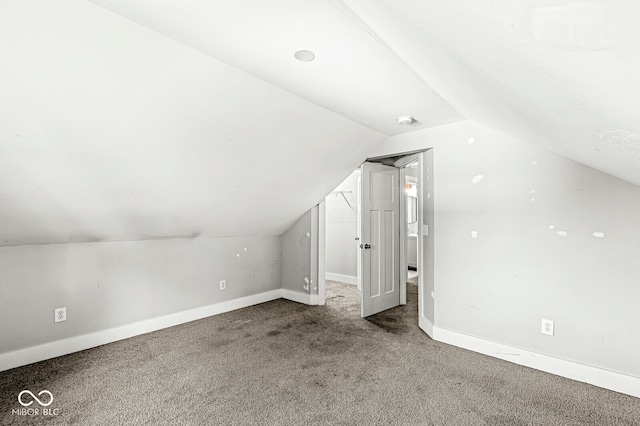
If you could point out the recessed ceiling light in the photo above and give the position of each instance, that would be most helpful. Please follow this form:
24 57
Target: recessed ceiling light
305 55
406 119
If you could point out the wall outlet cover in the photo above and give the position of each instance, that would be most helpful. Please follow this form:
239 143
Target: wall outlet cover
59 315
547 327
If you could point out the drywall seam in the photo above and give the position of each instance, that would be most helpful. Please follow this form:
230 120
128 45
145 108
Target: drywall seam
78 343
611 380
347 279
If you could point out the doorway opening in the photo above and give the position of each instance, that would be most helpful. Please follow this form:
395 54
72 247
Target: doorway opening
344 221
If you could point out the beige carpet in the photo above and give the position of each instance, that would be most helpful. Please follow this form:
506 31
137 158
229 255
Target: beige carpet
286 363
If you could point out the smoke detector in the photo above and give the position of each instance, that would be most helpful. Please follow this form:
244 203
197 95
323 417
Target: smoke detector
406 119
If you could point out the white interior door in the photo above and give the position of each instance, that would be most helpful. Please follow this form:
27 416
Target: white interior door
380 238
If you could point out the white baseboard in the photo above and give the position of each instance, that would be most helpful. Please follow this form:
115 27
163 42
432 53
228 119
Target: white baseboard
596 376
74 344
296 296
611 380
348 279
426 325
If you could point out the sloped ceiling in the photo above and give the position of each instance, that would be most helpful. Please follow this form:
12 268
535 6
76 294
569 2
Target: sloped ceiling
355 73
125 120
563 75
110 130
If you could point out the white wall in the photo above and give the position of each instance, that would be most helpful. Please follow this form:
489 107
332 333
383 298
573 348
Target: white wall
518 270
300 261
95 147
296 255
427 272
109 285
342 229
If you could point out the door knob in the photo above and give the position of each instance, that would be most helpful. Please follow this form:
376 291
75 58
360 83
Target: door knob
367 246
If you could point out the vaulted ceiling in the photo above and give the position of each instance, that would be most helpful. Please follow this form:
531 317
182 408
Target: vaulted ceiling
560 74
138 119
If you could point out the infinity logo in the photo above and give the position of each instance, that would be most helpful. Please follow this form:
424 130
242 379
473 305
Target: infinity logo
35 398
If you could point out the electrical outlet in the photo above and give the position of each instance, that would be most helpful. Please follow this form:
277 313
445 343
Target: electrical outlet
59 314
223 285
547 327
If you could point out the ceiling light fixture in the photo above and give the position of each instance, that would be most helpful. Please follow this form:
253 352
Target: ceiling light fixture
406 119
304 55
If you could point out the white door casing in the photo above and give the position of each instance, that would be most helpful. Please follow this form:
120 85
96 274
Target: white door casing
380 238
359 237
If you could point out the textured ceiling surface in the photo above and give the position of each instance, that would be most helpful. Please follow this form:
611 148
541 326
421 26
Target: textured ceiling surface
138 119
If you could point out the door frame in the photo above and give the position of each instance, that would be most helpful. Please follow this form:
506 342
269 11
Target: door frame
402 163
401 159
359 233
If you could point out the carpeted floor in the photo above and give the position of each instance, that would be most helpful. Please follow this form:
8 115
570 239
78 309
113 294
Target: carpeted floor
286 363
